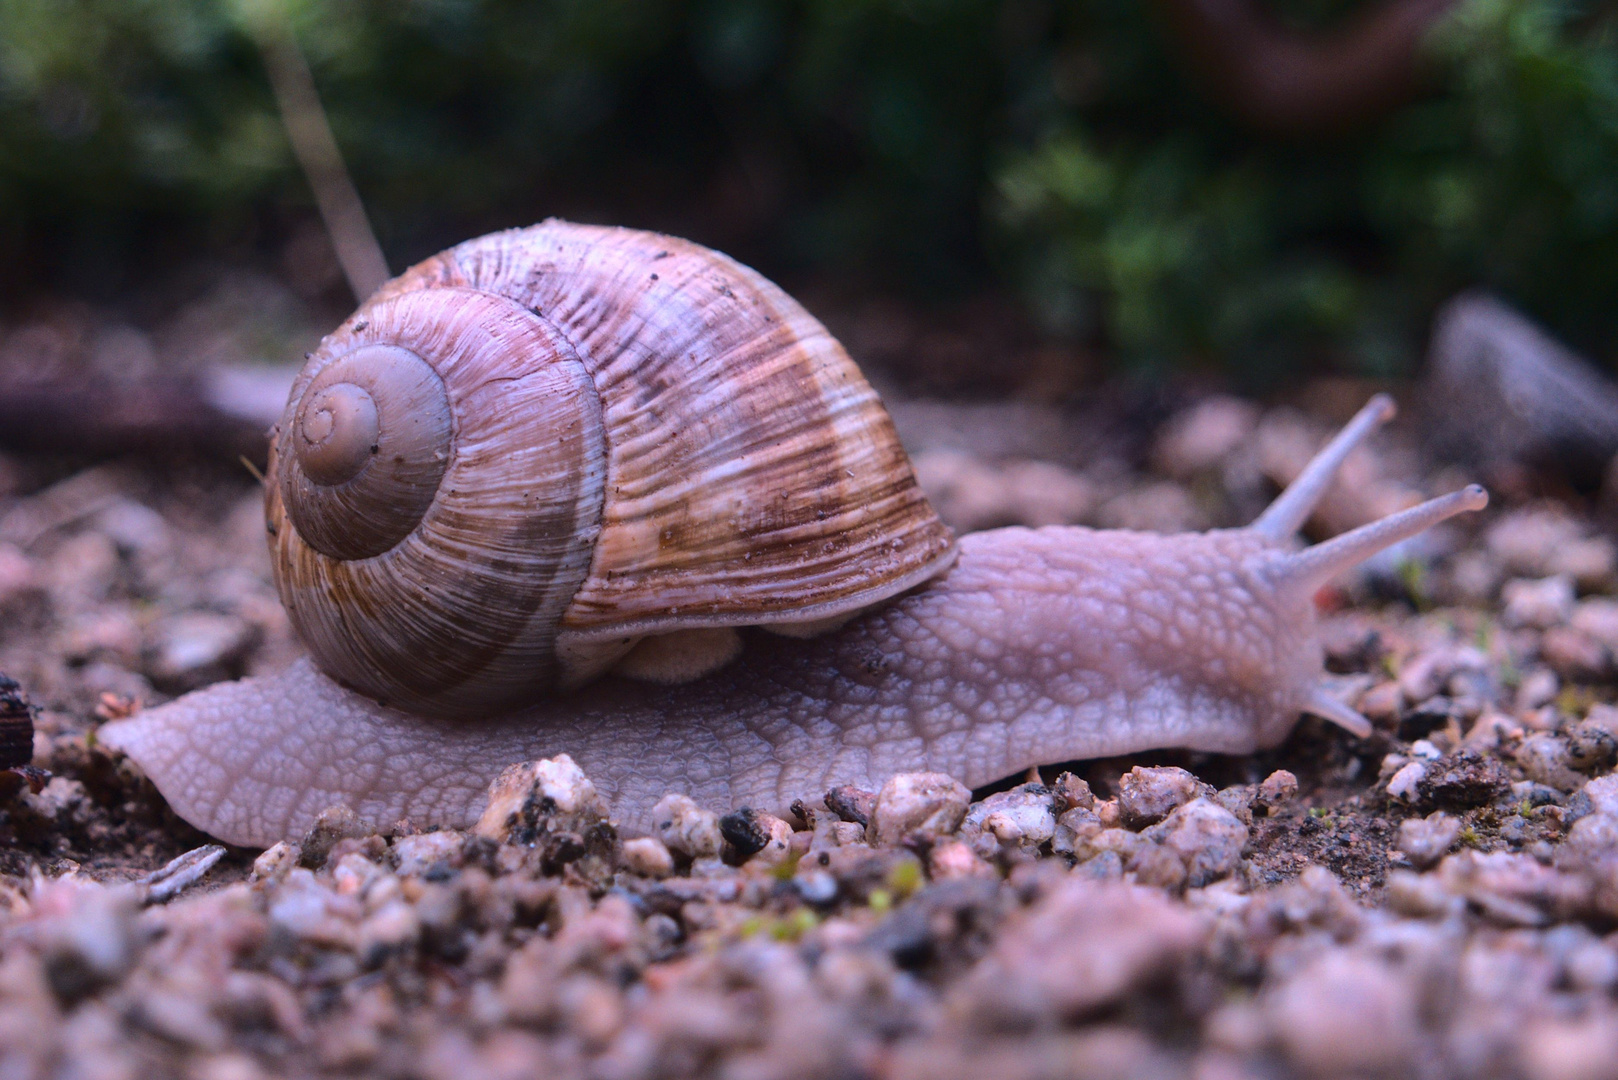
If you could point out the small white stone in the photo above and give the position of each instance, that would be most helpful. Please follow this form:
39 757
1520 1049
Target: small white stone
648 857
1543 758
274 862
686 828
59 798
1555 1048
1540 604
393 927
1018 817
189 645
1539 687
427 853
1421 896
777 848
1592 964
954 859
1404 782
1425 840
560 780
918 804
1603 793
1527 541
1201 437
551 786
1425 750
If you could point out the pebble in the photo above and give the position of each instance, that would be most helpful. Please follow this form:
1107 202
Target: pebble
1544 758
273 863
135 529
1345 1014
1432 669
1405 784
1603 794
1592 745
392 928
1200 438
1540 604
1084 945
1426 840
333 825
1147 795
851 804
552 793
57 800
1277 789
1527 541
190 649
88 938
757 837
1538 687
686 828
647 855
1157 866
1574 654
1382 701
1207 838
918 804
1514 890
19 580
816 886
954 859
1422 896
434 854
1022 817
1597 617
972 494
1075 828
1583 1048
1163 507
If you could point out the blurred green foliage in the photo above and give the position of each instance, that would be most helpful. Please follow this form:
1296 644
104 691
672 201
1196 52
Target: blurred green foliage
1057 144
823 132
1142 210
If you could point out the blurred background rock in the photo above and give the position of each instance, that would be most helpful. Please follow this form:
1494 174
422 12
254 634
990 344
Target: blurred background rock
983 196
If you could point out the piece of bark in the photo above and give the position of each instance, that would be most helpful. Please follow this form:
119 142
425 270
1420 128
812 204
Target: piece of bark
224 413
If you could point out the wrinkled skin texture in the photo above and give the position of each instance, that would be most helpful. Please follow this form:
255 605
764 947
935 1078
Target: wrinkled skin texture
1039 646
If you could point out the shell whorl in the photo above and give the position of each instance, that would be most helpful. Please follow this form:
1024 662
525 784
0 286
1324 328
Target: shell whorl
353 484
434 575
735 468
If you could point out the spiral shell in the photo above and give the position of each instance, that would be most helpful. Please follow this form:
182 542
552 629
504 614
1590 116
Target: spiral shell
527 452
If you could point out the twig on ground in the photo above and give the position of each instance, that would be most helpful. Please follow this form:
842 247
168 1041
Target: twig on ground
179 874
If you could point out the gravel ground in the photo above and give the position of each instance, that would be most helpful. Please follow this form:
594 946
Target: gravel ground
1432 901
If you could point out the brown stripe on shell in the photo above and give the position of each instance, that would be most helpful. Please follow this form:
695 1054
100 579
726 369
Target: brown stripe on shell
460 616
753 475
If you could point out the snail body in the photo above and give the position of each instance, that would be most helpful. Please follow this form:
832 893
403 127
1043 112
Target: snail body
1010 648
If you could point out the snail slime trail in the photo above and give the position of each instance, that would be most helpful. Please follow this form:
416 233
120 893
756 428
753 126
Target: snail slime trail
584 437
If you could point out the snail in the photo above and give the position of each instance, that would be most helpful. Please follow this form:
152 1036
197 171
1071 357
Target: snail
609 493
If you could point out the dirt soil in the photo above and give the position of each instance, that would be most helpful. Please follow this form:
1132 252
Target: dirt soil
1435 900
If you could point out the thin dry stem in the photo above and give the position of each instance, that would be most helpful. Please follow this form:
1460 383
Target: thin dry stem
316 148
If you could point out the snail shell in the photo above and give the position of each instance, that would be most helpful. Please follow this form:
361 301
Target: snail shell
531 451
